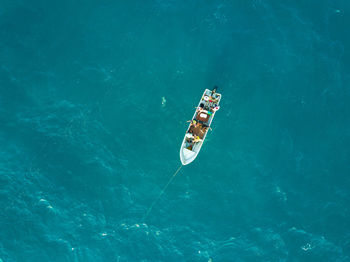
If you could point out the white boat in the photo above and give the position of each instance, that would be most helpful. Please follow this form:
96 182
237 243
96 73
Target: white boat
199 126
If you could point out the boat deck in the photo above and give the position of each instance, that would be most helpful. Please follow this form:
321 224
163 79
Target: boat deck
198 130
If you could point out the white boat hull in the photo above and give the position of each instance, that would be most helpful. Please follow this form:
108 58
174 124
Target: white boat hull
188 155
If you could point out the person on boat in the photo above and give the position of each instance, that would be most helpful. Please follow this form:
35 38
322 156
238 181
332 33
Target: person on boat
205 128
197 139
194 122
200 108
189 137
213 100
213 97
189 140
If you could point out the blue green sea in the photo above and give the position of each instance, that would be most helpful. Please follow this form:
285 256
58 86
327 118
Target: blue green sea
94 99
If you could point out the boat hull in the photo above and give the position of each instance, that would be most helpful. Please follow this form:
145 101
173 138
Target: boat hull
189 153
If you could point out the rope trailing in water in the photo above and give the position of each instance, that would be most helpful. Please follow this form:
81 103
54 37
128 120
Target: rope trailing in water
161 193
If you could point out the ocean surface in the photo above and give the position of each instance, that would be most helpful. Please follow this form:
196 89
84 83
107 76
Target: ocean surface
94 99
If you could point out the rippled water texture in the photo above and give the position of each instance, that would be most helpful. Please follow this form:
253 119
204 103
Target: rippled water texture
94 99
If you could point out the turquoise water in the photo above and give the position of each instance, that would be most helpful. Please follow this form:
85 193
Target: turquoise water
94 99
